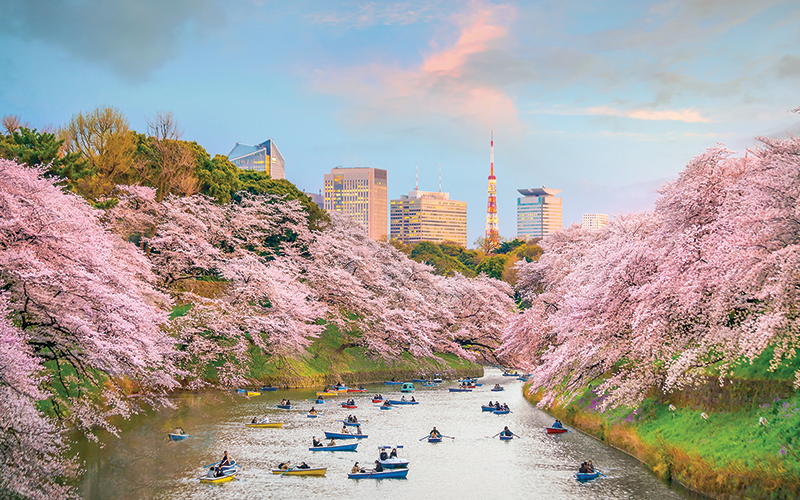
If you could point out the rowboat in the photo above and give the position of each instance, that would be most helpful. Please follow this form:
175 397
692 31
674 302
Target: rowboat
394 462
318 401
419 380
377 400
383 407
438 380
340 388
488 408
511 373
393 473
501 412
351 424
326 394
506 438
249 393
428 384
392 382
266 425
585 476
434 440
177 437
341 435
407 387
497 389
225 477
556 430
344 405
458 389
356 390
319 471
338 447
284 407
268 389
311 415
401 402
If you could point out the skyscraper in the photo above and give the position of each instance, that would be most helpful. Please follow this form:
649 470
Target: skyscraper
492 233
539 212
594 221
264 157
428 216
360 192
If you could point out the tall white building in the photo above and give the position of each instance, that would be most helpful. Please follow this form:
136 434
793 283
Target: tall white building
539 212
360 192
594 221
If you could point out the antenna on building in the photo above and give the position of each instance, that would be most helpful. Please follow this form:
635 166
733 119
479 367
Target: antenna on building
416 187
440 177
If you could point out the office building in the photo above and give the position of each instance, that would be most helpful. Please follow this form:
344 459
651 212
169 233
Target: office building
360 192
428 216
264 157
539 212
594 221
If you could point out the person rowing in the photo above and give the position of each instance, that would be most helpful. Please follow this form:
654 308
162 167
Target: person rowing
312 411
590 466
378 467
506 432
413 400
344 430
584 469
402 398
332 443
316 443
285 465
378 397
358 430
386 404
435 433
557 425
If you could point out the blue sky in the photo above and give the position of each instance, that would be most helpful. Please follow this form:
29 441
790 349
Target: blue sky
605 100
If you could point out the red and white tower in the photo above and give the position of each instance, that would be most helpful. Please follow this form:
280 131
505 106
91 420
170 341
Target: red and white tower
492 234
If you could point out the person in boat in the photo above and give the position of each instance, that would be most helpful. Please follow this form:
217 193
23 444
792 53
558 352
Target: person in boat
355 419
255 420
288 403
402 398
378 466
393 454
557 425
312 411
413 400
284 465
506 432
225 462
303 465
590 466
325 389
384 456
316 443
332 443
377 396
344 430
497 405
584 469
356 469
394 379
264 419
386 403
435 433
358 430
490 403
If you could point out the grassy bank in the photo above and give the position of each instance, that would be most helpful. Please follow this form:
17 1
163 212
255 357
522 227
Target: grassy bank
731 454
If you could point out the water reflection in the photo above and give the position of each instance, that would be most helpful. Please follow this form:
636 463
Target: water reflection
143 464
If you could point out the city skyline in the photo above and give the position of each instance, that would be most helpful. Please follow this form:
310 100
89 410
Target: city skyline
606 106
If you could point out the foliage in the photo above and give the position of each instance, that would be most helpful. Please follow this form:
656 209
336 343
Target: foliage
708 278
444 264
492 266
34 148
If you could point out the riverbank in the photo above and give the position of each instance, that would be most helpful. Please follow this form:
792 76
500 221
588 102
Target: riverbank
731 454
330 359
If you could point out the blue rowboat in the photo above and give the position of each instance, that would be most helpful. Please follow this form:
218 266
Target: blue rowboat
338 447
407 387
386 407
401 402
311 415
318 401
583 476
270 389
177 437
506 438
452 389
501 412
419 380
488 408
495 389
426 384
434 440
476 384
393 383
386 474
284 407
340 435
351 424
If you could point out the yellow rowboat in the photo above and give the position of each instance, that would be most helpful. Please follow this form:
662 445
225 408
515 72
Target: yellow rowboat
302 472
268 425
221 479
252 393
322 394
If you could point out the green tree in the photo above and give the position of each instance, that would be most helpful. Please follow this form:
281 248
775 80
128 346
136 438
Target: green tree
31 147
493 266
444 265
219 178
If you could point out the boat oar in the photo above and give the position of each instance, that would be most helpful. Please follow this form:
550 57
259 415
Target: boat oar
600 473
287 470
448 437
211 465
426 437
497 434
516 435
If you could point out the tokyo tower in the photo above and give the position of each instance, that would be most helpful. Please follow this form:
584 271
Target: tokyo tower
492 234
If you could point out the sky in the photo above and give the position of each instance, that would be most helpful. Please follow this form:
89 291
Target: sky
606 100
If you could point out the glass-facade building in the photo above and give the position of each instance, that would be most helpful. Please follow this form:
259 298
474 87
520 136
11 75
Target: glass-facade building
539 212
428 216
362 193
263 157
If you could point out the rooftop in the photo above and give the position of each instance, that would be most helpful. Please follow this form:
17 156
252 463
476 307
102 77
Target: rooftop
542 191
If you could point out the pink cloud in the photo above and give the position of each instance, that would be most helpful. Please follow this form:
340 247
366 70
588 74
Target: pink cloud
681 115
474 38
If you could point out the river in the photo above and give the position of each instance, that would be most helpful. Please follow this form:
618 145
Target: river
143 465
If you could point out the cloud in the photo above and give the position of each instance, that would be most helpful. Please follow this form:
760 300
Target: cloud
439 88
681 115
132 37
366 14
